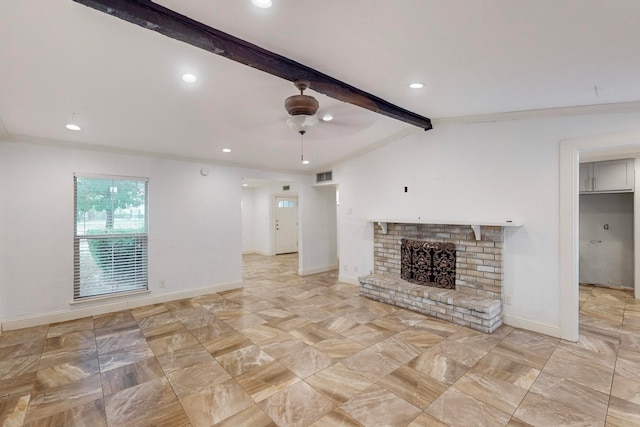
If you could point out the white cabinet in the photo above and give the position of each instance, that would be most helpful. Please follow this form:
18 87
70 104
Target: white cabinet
607 177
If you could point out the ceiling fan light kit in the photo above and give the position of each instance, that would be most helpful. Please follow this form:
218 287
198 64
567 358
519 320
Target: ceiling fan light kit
301 108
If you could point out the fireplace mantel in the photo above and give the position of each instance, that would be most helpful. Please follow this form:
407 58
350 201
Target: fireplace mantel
475 225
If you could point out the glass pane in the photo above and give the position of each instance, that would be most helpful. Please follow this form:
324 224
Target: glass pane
107 206
106 263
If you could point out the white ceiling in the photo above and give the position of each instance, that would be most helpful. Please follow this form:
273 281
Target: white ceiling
475 57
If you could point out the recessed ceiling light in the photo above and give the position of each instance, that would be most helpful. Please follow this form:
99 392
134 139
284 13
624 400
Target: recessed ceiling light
305 162
245 185
416 85
72 126
327 118
189 78
226 150
265 4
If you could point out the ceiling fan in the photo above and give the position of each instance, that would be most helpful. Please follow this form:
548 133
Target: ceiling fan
304 111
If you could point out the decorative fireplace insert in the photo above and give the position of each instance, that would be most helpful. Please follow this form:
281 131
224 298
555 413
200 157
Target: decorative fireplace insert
428 263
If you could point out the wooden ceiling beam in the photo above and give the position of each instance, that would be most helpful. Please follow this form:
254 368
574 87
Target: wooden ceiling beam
165 21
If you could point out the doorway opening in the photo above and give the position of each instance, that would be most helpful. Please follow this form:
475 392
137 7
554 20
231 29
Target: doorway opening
571 152
286 224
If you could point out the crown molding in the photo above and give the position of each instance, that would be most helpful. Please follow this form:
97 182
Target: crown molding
49 142
543 113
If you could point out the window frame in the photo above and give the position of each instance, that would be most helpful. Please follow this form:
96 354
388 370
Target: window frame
141 237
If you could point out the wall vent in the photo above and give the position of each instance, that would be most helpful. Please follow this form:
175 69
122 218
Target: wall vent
324 176
286 187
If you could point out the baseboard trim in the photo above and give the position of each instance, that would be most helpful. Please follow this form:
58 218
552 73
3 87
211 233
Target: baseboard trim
542 328
349 279
317 270
265 253
77 312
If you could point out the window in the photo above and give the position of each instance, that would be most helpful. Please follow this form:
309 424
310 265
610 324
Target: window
286 204
110 237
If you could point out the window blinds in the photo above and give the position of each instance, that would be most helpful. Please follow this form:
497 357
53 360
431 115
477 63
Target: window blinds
110 235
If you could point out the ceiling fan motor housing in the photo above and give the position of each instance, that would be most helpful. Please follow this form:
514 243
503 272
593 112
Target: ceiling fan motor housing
301 104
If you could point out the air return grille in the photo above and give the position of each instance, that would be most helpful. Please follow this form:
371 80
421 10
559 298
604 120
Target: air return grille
323 176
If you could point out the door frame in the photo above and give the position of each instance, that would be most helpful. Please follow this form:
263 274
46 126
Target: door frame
272 219
274 203
570 150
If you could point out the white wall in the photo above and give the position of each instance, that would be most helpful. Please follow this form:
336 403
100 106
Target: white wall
318 214
606 256
194 224
248 220
195 237
476 171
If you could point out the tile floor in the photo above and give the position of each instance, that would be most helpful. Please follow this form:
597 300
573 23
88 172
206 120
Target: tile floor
291 351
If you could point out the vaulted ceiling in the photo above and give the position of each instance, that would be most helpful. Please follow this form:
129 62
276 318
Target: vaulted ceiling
474 57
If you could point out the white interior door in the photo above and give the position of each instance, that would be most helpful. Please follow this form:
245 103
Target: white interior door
286 225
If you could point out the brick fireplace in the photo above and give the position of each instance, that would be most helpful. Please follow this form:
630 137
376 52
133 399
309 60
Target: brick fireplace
478 262
476 298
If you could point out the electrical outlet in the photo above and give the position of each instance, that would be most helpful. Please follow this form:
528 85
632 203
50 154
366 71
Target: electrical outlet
345 268
162 284
355 269
507 299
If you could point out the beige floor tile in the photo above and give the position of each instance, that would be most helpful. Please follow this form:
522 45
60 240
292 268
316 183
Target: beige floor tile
316 348
114 322
13 410
339 348
220 402
306 361
505 369
456 408
378 406
492 391
64 328
416 388
420 339
368 334
88 414
537 410
20 336
49 402
171 341
243 360
28 348
253 416
197 378
337 418
579 397
148 310
59 369
81 340
626 389
628 364
426 420
16 366
226 343
267 380
371 364
150 403
596 378
623 413
184 358
338 383
297 406
116 341
131 375
124 356
438 367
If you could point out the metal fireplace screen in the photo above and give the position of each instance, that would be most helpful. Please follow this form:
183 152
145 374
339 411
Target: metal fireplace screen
429 263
